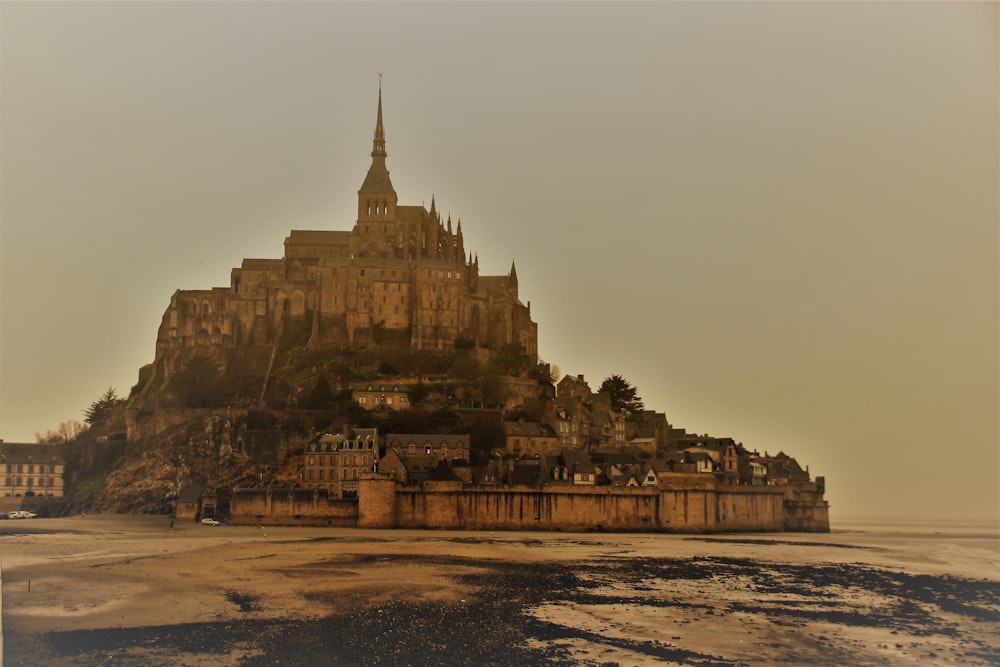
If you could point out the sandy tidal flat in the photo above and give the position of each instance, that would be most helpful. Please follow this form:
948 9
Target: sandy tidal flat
123 590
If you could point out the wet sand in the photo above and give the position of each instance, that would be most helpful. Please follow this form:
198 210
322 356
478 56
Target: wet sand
127 590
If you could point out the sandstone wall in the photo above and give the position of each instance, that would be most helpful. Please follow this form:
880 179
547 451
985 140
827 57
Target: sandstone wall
377 500
449 505
290 507
688 503
804 508
682 503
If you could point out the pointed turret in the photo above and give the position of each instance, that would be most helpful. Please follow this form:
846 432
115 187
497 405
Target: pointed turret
378 143
377 198
512 279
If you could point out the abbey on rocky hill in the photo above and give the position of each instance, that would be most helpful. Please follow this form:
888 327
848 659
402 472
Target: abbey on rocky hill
400 277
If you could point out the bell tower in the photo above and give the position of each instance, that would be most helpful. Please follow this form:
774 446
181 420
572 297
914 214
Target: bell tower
377 198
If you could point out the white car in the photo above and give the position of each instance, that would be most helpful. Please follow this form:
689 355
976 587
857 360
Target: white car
21 514
209 521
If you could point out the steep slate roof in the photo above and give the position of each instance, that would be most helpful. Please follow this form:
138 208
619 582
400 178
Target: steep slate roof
410 212
711 451
443 473
783 465
532 429
424 466
327 443
525 472
481 472
24 452
377 179
578 461
659 465
366 434
318 237
492 283
425 439
615 457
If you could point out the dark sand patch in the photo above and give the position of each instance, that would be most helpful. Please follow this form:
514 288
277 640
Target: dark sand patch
496 624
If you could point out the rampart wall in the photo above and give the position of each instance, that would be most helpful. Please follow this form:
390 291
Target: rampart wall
290 507
681 503
689 505
804 507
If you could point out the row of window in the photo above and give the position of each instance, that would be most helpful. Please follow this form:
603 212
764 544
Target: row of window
324 460
378 208
566 427
381 400
319 475
381 274
30 482
30 468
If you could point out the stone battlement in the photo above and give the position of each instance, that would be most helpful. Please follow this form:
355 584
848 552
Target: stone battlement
680 504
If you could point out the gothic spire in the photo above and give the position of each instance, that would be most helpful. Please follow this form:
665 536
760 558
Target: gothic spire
378 143
377 197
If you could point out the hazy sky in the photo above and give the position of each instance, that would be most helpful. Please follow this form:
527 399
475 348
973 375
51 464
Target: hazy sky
778 220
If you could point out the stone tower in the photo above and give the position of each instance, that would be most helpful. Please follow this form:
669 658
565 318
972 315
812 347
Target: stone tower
377 198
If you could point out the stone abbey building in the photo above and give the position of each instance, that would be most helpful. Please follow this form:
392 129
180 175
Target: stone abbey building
401 276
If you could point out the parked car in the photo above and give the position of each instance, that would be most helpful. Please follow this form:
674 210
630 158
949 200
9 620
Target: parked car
209 521
21 514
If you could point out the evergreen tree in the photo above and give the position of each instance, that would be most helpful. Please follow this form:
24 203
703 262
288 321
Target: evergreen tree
624 396
102 407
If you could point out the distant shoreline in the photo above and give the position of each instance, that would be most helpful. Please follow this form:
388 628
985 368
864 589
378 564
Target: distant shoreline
978 526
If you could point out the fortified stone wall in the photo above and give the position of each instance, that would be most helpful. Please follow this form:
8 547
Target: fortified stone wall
682 504
449 505
804 508
377 500
290 507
